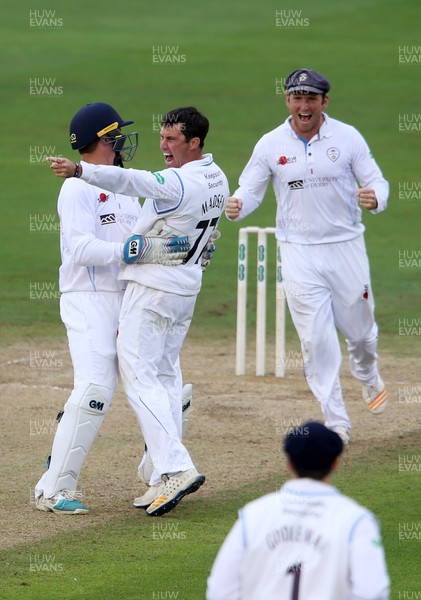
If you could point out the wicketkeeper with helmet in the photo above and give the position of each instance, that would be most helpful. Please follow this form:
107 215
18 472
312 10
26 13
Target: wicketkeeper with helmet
93 225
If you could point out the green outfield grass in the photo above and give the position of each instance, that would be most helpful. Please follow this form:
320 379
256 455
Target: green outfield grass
235 57
137 557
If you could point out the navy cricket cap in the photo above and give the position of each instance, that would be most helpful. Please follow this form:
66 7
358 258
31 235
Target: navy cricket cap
312 446
306 80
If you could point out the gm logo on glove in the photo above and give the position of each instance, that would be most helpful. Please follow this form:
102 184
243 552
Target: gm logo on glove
134 247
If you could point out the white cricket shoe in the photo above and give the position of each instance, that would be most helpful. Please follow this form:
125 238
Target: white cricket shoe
375 396
64 503
149 496
343 433
175 488
146 468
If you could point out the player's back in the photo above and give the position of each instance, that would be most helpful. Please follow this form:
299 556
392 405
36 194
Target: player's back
296 543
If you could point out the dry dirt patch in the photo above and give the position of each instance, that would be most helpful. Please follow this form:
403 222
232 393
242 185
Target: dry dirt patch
234 436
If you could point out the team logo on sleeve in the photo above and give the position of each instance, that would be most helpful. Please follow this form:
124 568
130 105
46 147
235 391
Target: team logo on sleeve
333 154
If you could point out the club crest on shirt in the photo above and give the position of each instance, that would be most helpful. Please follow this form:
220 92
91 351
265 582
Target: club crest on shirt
333 154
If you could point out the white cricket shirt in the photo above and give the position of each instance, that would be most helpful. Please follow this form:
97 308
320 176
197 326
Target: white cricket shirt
306 541
93 224
315 183
190 199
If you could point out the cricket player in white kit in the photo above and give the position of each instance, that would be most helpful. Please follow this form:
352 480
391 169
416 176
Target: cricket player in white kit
306 541
93 224
159 301
322 173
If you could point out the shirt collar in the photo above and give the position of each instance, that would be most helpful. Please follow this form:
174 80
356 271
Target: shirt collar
324 130
205 161
307 486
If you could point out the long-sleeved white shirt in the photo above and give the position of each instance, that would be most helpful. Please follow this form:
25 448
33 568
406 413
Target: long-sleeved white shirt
315 183
190 199
93 224
305 541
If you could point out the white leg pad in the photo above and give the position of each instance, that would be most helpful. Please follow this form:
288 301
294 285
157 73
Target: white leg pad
83 415
186 401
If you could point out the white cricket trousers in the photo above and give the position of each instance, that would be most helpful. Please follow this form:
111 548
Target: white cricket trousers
152 328
327 287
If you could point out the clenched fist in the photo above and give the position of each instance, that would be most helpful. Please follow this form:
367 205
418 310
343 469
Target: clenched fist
233 207
367 198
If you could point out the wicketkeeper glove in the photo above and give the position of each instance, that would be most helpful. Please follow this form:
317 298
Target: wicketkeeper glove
161 246
209 249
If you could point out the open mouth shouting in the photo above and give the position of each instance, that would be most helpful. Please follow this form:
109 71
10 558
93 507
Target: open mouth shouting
169 159
304 117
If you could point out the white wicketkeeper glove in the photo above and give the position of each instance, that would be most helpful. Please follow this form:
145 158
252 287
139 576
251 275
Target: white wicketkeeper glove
161 245
209 249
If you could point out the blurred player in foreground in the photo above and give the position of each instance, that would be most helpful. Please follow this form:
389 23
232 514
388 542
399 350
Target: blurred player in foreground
306 540
93 224
158 304
316 165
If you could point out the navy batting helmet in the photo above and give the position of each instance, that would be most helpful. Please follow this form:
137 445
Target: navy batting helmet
99 120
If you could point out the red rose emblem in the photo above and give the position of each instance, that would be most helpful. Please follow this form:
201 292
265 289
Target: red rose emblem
282 160
103 197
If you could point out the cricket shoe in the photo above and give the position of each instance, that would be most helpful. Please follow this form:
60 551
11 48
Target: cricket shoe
175 488
375 396
343 433
146 468
63 503
149 496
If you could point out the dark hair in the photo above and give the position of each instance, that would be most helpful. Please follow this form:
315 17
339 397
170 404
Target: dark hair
318 474
91 147
307 93
194 123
